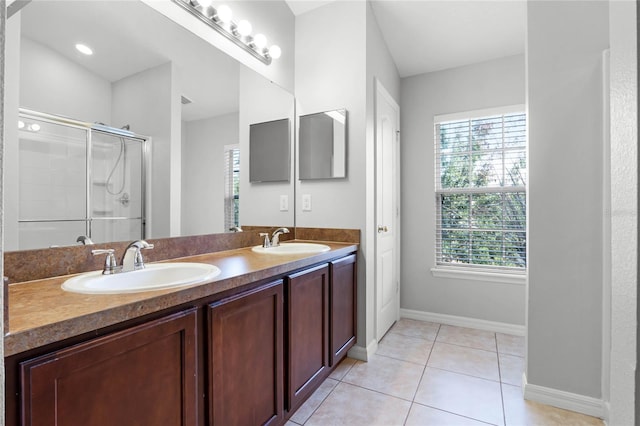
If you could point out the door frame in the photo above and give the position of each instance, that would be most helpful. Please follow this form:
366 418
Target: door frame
381 91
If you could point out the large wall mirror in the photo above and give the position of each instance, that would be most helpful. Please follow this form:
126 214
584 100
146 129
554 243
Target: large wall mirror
194 103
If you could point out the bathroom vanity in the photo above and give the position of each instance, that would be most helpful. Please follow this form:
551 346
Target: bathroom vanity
247 348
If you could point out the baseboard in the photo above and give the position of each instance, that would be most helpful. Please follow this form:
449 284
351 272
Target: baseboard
498 327
566 400
363 354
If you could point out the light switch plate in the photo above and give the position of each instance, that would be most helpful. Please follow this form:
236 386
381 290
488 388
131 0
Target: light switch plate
306 202
284 203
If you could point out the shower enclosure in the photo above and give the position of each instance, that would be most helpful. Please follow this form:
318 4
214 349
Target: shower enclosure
78 180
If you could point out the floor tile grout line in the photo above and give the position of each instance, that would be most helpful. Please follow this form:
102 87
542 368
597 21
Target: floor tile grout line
424 370
465 346
504 413
464 374
321 402
453 413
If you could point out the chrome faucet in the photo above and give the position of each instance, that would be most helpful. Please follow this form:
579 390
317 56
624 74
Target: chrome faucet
235 229
110 263
84 240
275 238
132 259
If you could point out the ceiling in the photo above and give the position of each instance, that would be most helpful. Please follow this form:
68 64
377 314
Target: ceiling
127 39
431 35
422 36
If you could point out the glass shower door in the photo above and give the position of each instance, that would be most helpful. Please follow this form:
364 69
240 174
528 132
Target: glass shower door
52 185
117 187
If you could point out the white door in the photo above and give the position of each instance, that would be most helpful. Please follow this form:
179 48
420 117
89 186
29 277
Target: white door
387 211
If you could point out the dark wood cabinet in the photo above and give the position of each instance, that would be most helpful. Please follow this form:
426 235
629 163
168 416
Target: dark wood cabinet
246 358
145 375
343 307
307 333
250 358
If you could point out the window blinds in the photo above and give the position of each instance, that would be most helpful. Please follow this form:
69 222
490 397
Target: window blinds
231 186
481 190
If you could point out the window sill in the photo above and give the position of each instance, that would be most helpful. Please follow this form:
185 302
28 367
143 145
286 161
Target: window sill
487 276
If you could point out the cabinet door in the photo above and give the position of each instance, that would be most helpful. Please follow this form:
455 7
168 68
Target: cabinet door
343 302
145 375
246 358
308 333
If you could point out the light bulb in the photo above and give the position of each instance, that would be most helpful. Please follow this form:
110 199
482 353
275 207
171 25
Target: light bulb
84 49
224 13
204 3
20 124
35 127
275 52
260 41
244 28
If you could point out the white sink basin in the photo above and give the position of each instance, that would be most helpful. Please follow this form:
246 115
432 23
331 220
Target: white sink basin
155 276
293 248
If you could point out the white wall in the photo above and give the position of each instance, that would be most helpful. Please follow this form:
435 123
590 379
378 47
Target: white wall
565 285
330 71
495 83
623 392
203 166
53 84
149 102
262 101
335 68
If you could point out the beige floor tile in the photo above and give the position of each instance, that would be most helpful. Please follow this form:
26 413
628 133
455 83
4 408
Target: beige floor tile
414 328
460 394
459 359
511 369
387 375
519 412
354 406
343 368
479 339
419 415
509 344
405 348
306 410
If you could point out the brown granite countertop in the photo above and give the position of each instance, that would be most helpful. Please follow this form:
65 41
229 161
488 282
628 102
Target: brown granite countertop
41 312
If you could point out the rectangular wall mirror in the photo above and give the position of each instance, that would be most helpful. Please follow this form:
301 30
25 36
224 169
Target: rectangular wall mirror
323 145
269 153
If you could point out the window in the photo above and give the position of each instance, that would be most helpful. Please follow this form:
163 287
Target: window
231 186
480 189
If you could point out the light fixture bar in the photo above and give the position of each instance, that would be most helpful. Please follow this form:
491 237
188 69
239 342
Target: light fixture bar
263 57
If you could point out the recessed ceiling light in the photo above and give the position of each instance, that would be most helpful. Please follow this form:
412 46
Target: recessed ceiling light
84 49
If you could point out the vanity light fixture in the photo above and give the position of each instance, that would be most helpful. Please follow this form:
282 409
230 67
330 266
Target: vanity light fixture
219 18
83 48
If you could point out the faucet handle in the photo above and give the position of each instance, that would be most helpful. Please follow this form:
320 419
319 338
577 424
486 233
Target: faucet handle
110 262
267 242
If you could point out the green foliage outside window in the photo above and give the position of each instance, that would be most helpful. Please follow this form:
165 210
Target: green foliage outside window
481 192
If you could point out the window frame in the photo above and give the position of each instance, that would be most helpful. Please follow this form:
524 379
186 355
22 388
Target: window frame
474 271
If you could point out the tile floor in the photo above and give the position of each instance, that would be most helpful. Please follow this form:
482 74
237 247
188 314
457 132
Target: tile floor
431 374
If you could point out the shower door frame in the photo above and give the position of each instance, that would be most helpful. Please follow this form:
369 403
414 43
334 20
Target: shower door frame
89 129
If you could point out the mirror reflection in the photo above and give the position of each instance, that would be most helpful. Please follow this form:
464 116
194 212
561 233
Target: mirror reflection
323 145
194 106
